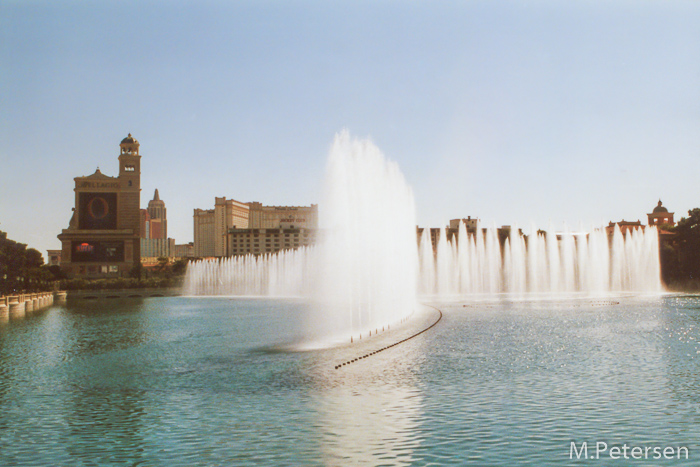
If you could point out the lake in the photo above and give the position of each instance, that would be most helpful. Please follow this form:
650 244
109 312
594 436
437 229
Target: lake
227 381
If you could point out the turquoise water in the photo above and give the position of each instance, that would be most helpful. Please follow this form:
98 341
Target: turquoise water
218 381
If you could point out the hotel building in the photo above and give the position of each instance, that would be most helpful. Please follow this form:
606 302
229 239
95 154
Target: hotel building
103 236
263 241
154 230
274 228
276 217
236 228
154 219
211 226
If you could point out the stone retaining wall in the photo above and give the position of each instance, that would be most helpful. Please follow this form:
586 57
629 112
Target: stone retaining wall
20 304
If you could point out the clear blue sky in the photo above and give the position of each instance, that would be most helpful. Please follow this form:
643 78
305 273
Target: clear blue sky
509 111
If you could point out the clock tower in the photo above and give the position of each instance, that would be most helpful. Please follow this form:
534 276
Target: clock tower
103 236
130 185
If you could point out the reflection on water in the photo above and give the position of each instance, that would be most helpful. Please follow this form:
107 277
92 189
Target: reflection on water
369 413
186 381
527 379
682 328
368 428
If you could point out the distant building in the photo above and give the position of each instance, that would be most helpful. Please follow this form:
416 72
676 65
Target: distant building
157 247
216 229
211 226
470 223
452 231
145 223
262 241
624 225
228 213
53 257
185 250
660 215
157 218
103 236
154 230
203 233
282 217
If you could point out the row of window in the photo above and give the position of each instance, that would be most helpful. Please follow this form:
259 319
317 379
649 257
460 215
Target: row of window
296 235
103 269
243 250
268 241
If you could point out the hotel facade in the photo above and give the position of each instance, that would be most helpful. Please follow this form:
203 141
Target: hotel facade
237 228
103 235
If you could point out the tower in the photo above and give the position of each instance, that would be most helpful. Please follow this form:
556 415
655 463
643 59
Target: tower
158 221
660 215
102 238
130 184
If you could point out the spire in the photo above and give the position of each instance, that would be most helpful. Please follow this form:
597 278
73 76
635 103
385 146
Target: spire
155 196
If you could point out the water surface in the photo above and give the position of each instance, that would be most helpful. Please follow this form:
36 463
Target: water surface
216 381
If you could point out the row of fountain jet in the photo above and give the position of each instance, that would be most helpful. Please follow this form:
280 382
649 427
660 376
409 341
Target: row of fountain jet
546 262
481 262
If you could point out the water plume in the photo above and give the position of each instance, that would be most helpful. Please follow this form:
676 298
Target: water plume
362 273
368 257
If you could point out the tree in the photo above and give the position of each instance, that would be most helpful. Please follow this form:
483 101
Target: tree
35 276
136 271
20 268
180 267
688 241
162 264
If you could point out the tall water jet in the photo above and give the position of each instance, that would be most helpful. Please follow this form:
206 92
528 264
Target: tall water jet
426 281
515 270
368 261
362 275
444 265
463 247
568 263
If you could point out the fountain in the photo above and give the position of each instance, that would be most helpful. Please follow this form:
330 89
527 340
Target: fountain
368 261
541 263
366 271
285 274
361 276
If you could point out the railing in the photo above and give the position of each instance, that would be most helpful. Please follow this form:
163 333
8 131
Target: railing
19 304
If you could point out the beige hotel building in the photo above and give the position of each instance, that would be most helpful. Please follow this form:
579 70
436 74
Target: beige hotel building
103 235
236 228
